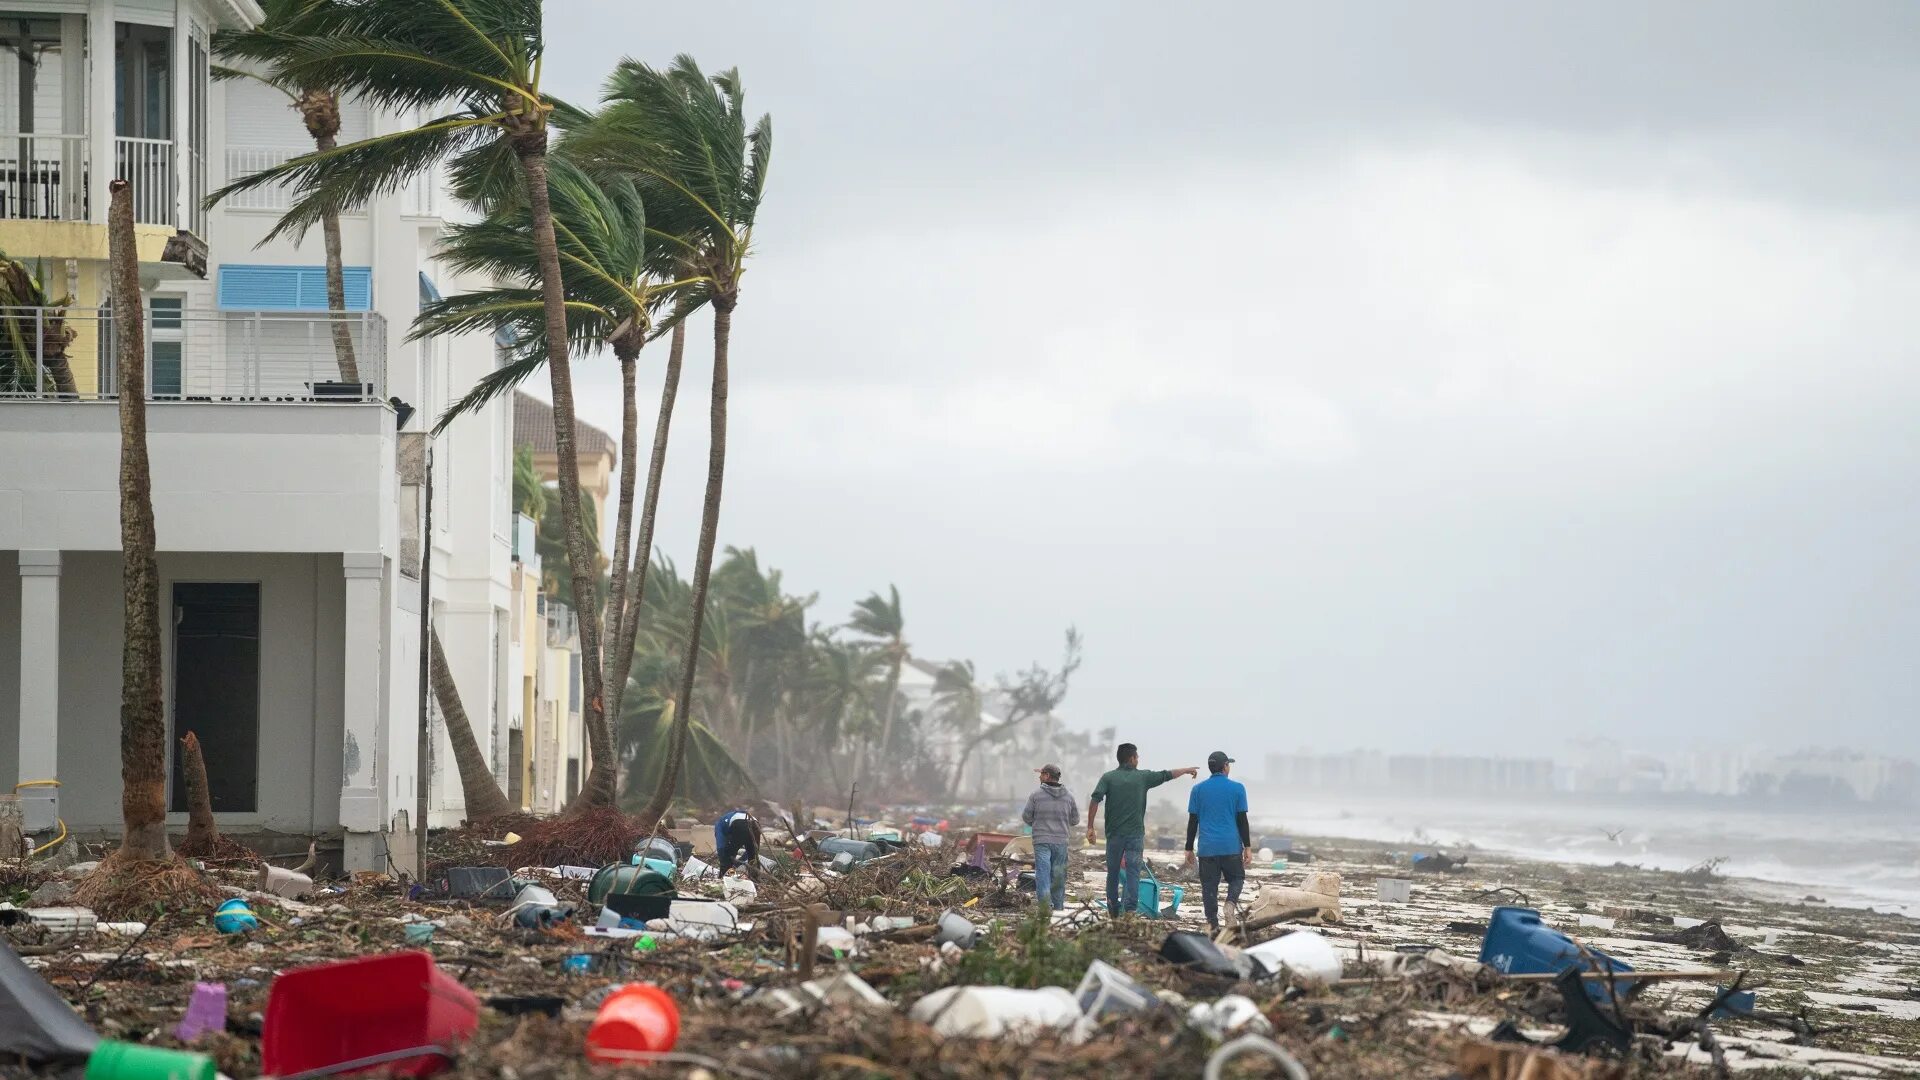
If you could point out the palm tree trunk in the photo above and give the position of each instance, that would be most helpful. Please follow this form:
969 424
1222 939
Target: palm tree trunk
202 833
143 723
600 788
623 525
337 289
703 559
478 789
622 665
893 703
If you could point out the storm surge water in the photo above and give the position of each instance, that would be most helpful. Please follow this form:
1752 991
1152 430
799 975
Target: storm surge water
1854 858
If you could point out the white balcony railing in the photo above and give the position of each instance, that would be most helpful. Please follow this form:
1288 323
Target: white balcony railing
247 160
277 357
43 177
147 164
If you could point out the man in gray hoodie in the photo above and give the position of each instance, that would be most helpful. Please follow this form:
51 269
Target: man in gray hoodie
1053 814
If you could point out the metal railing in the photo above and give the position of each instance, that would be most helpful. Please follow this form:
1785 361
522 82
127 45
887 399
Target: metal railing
247 160
43 177
278 357
147 164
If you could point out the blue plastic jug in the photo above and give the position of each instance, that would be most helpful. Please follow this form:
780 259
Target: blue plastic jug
1518 943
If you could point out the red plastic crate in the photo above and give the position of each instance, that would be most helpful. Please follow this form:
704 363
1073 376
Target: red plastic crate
366 1014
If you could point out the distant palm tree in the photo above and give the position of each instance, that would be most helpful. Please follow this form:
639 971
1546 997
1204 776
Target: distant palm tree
838 694
881 619
484 56
685 137
319 109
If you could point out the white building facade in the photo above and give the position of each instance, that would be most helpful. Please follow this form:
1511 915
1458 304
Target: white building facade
288 500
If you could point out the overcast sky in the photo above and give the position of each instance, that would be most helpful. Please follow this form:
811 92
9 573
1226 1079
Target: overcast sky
1445 377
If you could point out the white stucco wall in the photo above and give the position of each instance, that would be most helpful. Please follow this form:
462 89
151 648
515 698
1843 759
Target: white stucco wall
226 476
301 682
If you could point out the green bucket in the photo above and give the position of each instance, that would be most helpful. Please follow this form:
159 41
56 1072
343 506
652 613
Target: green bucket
131 1061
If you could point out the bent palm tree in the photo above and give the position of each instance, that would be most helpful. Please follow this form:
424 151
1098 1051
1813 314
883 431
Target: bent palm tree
882 620
319 109
615 286
483 57
479 791
685 136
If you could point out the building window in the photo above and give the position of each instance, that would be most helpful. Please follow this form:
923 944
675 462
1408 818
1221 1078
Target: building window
165 346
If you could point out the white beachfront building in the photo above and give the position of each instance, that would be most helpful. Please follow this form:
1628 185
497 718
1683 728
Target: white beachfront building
288 498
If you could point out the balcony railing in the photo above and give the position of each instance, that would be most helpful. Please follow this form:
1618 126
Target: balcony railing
247 160
276 357
147 164
43 177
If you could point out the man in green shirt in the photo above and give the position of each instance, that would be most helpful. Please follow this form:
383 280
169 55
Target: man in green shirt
1126 787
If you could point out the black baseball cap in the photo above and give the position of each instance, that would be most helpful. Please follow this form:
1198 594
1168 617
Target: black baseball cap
1217 759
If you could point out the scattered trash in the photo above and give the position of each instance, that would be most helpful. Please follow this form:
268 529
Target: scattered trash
1478 1060
479 883
577 964
1706 936
279 881
132 1061
1518 943
1303 956
206 1011
845 988
397 1013
666 868
625 878
65 920
994 1012
739 888
1105 990
527 1005
1437 863
932 839
1394 890
858 851
1230 1014
235 916
836 942
1319 890
36 1024
635 1021
1199 950
1253 1044
956 928
1734 1005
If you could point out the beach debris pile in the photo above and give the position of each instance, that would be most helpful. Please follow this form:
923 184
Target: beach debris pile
869 949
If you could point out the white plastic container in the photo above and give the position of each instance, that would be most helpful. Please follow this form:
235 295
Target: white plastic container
1232 1013
1264 855
1394 890
1304 956
739 888
1105 990
65 920
995 1012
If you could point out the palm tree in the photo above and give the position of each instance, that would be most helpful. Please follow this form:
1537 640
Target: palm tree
34 335
882 620
529 492
143 722
837 693
480 792
685 137
615 286
484 57
319 109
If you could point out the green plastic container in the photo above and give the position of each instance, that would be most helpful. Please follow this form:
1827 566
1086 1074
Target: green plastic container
623 878
131 1061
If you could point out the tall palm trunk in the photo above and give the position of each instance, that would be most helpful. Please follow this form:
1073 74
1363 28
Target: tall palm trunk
893 702
599 789
143 723
320 111
617 613
478 789
622 664
703 559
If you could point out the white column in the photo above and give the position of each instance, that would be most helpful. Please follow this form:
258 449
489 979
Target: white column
39 665
182 91
100 98
360 787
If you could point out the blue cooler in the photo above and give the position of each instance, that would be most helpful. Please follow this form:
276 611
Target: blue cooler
1518 943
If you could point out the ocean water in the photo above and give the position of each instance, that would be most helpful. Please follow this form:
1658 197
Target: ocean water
1847 858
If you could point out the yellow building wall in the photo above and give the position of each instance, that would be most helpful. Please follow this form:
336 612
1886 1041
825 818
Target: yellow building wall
45 246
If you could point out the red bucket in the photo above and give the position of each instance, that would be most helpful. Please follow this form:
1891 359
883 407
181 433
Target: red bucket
636 1020
398 1013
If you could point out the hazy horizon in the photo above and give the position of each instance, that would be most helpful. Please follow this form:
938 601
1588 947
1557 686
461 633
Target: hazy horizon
1444 378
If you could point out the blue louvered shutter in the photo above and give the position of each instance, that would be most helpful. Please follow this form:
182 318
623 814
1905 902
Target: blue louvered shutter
291 288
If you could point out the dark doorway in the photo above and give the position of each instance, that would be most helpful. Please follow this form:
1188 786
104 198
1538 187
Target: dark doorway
573 778
216 689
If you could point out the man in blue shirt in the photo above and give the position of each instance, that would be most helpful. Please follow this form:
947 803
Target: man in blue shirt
1217 817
